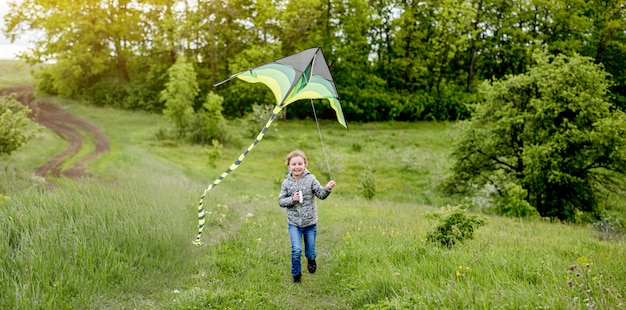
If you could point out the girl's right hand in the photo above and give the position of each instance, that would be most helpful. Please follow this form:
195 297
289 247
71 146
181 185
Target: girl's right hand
331 184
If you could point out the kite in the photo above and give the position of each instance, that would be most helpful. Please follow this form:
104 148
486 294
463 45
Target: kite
304 75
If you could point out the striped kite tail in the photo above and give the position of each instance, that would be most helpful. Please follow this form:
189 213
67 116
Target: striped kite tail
235 165
201 213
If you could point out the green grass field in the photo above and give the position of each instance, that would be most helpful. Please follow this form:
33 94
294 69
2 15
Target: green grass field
123 239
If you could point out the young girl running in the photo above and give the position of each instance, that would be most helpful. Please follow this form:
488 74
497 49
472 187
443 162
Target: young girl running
297 194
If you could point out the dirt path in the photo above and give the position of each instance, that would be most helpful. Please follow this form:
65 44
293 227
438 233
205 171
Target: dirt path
68 127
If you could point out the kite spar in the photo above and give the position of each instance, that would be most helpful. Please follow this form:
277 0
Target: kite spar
304 75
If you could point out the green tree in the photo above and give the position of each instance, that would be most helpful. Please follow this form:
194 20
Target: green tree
179 95
221 31
551 131
449 38
608 43
362 91
404 65
15 127
301 24
508 36
90 42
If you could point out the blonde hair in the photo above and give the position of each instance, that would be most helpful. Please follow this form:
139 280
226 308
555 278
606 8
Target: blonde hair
296 153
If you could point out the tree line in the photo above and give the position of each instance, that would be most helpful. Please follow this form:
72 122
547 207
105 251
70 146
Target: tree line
391 59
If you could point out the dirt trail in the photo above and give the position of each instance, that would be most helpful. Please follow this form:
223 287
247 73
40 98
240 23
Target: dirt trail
68 127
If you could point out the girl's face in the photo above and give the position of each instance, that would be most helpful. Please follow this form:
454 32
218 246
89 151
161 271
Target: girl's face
297 166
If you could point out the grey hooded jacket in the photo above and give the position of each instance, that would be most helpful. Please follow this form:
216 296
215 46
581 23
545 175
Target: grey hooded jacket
301 214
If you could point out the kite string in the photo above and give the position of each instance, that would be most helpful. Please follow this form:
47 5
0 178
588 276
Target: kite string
320 134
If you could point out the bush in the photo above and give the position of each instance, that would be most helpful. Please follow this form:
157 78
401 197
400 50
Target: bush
208 122
258 118
368 185
205 128
610 226
15 127
513 203
214 153
455 226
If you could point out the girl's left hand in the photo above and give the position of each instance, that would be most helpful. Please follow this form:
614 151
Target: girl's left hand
331 184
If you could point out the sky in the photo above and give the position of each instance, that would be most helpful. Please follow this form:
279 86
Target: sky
8 50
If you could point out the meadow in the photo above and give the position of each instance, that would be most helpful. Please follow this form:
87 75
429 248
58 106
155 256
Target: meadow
123 238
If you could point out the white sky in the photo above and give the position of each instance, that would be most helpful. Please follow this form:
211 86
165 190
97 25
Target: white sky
8 50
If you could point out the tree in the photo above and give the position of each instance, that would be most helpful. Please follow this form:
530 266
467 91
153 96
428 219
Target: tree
15 127
550 131
450 37
405 65
179 95
89 41
608 43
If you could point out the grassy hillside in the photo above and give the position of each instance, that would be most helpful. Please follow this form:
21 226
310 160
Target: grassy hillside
123 239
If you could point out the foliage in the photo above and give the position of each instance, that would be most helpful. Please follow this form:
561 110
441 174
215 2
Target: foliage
610 225
512 202
552 132
455 226
208 122
214 153
15 127
391 59
257 119
179 94
368 185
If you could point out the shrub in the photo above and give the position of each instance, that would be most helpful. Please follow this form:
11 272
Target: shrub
512 202
208 122
214 153
610 226
368 185
15 127
258 118
455 226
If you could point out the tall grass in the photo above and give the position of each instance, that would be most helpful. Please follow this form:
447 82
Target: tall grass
122 240
90 242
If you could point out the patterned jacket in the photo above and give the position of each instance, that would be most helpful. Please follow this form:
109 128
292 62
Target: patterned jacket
301 214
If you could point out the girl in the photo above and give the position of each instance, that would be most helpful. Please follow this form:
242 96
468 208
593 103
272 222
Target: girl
297 194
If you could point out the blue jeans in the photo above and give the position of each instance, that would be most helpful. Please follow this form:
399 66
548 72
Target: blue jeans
295 234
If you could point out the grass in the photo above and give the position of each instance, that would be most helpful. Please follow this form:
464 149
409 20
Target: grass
14 72
123 240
